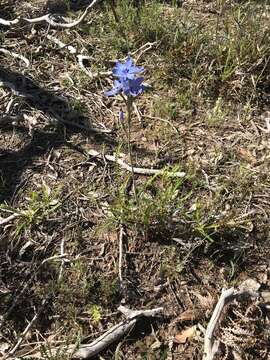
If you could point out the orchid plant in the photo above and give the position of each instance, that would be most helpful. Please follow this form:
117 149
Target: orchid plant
129 85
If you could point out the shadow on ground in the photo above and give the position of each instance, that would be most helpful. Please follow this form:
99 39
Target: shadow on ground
55 107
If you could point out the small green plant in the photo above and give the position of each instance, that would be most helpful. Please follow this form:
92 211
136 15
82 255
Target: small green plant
78 106
95 313
39 205
218 113
158 201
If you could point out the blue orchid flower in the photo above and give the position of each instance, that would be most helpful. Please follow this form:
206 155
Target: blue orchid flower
127 70
127 82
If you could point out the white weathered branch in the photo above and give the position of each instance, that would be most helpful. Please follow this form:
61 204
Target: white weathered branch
136 170
49 19
87 351
5 221
60 43
247 288
210 347
15 55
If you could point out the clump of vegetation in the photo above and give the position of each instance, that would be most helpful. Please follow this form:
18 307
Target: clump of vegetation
158 201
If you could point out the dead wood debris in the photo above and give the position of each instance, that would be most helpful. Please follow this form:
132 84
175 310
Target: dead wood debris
248 289
115 333
16 56
136 170
49 19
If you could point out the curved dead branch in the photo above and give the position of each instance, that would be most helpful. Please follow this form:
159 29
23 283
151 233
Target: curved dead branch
16 56
248 288
87 351
49 19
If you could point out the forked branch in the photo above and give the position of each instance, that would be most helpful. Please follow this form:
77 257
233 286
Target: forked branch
49 19
248 288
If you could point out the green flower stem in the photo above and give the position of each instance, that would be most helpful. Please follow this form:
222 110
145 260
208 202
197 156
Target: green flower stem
129 113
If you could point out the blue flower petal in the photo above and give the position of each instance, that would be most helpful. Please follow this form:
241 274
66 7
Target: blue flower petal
118 69
121 115
136 70
127 70
111 92
129 62
116 89
136 86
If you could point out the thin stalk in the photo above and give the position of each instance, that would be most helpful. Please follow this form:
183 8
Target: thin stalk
112 5
129 112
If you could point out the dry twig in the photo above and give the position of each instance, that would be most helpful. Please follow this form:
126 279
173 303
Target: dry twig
4 221
26 330
121 235
87 351
137 170
248 288
49 19
16 56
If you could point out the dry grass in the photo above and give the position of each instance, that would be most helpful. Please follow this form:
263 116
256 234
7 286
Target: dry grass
207 69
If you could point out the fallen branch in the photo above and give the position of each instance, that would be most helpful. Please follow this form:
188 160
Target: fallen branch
4 221
136 170
87 351
16 56
248 288
49 19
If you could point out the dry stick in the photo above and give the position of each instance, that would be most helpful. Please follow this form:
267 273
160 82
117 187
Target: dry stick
129 111
137 170
55 257
247 288
143 49
139 116
62 45
115 333
62 254
16 56
87 351
4 221
49 19
121 235
210 346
